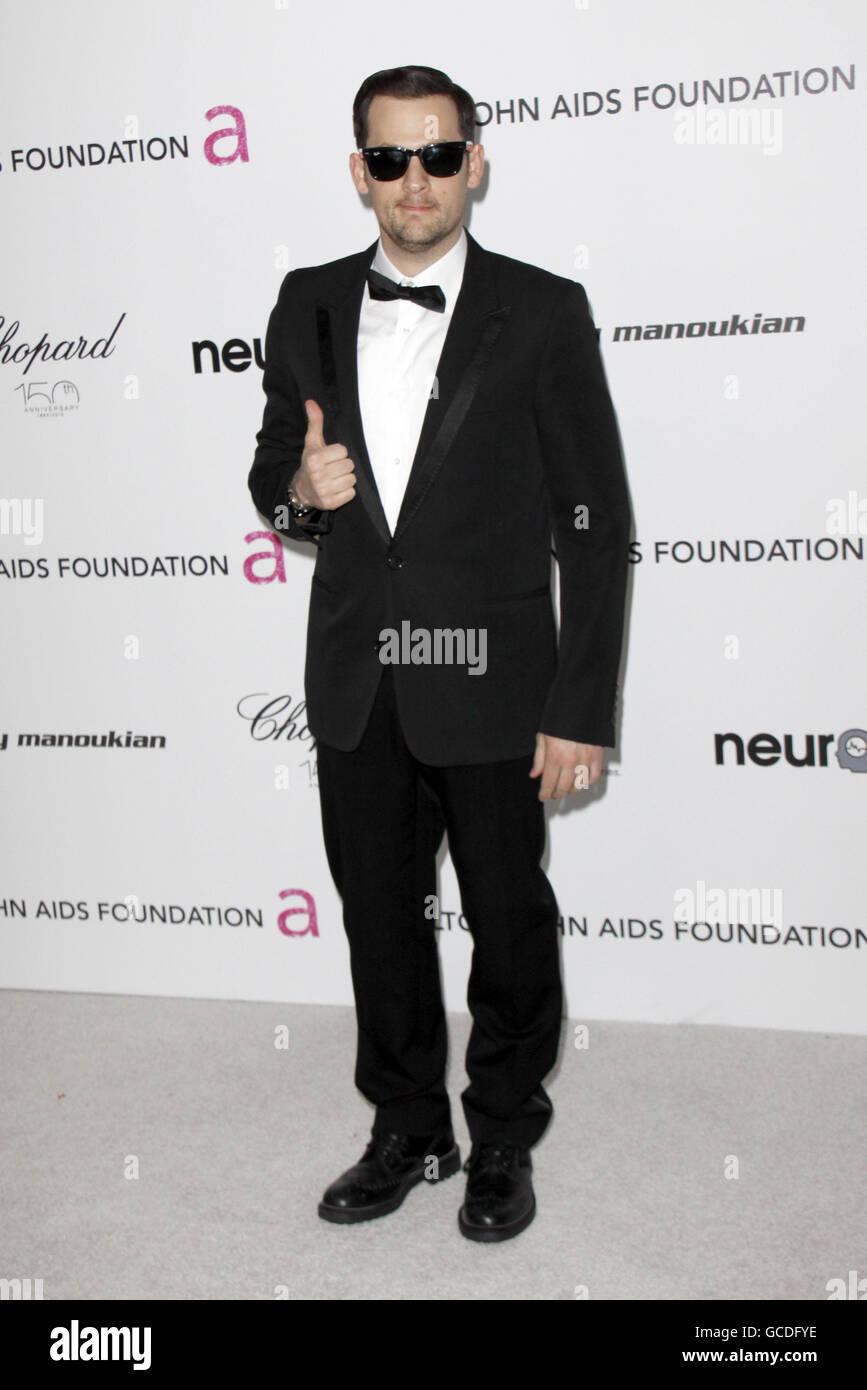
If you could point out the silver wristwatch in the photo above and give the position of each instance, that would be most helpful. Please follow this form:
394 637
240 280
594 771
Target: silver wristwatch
296 506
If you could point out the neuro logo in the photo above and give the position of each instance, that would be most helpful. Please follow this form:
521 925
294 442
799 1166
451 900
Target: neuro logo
798 750
851 750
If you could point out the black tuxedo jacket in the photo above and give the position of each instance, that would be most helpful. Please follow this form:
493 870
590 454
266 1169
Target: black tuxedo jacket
519 432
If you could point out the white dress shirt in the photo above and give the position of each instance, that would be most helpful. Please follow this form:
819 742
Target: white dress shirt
399 347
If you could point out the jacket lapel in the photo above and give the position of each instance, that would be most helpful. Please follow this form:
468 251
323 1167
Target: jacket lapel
476 323
337 332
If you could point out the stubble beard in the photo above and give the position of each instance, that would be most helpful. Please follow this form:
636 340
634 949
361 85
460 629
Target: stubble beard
414 235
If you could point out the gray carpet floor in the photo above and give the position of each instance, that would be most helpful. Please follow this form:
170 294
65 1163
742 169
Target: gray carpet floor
167 1148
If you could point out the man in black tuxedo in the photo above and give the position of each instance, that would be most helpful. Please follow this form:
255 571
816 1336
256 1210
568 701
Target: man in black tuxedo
436 413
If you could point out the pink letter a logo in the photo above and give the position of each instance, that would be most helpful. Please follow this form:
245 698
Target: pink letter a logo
238 130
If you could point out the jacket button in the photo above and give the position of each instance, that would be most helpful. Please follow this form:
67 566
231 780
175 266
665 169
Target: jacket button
394 562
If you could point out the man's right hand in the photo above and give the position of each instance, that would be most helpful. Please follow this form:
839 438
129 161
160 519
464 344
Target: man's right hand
326 478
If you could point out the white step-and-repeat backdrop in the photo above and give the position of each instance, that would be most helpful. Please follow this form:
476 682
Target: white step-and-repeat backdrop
700 170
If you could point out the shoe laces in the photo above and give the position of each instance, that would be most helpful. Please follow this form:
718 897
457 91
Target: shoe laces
389 1147
491 1155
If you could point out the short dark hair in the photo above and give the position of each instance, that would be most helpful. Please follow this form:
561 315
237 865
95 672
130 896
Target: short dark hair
411 82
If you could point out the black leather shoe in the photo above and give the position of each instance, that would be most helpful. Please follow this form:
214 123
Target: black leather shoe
499 1201
390 1165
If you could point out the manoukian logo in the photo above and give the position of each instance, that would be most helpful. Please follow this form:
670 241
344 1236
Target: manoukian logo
732 327
766 750
107 739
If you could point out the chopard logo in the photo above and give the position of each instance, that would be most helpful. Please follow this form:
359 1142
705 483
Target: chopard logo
24 354
275 717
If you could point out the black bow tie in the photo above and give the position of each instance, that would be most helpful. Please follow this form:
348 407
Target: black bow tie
429 296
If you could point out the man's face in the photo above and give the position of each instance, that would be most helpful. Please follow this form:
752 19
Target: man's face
417 211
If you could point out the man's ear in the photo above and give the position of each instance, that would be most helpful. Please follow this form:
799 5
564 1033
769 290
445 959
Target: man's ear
477 166
358 171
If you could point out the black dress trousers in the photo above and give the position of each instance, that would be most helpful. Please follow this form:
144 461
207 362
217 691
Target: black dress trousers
383 817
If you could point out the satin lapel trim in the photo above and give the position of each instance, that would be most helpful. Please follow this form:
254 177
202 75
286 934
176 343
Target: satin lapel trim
337 333
425 469
476 324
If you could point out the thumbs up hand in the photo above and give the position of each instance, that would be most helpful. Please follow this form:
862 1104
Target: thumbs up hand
326 478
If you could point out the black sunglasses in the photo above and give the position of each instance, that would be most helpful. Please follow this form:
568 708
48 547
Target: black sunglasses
442 159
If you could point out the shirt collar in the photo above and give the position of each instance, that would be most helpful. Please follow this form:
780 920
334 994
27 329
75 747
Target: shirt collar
447 272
